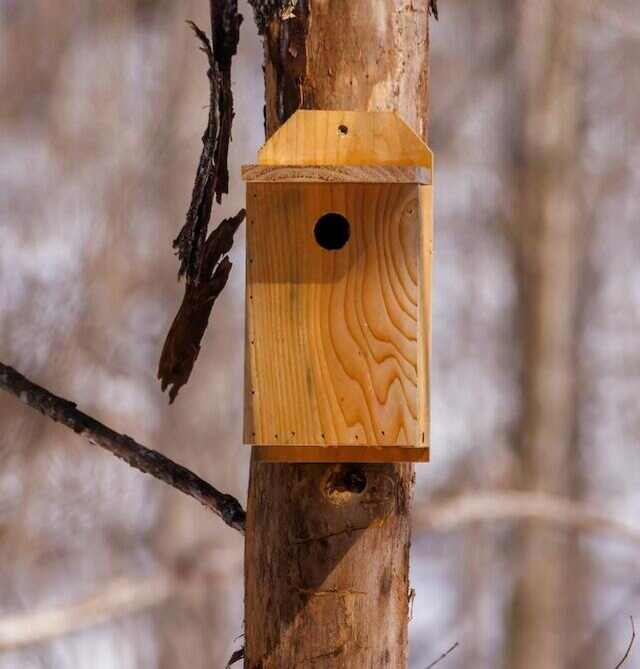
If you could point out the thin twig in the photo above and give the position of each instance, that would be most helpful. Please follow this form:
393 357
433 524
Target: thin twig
236 656
122 446
633 638
442 657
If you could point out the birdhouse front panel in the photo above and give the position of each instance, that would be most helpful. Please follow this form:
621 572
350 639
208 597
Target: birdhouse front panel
338 267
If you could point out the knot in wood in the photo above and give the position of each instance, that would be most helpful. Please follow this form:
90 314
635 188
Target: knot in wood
343 481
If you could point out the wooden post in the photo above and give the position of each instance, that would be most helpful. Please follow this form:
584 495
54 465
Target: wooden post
327 545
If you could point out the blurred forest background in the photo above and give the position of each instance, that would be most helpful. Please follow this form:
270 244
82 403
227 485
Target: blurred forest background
526 535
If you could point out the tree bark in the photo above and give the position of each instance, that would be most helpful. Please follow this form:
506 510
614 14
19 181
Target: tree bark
550 250
327 546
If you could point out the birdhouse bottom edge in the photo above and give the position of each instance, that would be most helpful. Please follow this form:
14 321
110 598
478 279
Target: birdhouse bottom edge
284 453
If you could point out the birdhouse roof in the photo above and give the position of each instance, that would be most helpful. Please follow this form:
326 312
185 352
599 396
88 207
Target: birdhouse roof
343 146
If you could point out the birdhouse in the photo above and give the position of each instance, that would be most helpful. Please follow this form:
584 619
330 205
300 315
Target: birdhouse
339 245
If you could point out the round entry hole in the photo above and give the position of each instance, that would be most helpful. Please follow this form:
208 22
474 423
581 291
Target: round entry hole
332 231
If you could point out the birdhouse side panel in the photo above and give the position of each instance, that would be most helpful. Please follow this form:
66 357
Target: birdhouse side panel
424 314
333 334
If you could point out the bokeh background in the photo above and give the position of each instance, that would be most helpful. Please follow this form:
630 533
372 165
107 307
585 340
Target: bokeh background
535 122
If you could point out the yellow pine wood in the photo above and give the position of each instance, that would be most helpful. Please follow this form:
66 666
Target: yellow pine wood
424 312
338 341
333 354
340 173
319 138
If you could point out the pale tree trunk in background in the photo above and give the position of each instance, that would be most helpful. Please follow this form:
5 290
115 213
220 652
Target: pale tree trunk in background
327 546
549 233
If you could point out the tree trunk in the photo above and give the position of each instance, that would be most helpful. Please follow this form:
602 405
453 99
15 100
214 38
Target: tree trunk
550 251
327 546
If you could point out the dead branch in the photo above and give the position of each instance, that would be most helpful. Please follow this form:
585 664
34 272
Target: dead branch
633 638
518 506
204 261
122 446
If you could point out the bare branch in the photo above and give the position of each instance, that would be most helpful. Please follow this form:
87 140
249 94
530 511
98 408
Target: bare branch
442 657
124 447
120 598
633 638
514 505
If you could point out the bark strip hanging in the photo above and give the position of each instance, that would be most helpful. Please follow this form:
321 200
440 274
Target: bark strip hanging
204 261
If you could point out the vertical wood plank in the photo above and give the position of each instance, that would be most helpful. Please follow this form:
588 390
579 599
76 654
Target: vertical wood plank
334 337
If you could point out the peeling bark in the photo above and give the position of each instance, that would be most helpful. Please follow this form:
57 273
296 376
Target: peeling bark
264 11
327 546
203 260
182 345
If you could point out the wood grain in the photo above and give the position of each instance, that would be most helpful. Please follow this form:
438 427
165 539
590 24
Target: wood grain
319 138
333 356
339 173
424 312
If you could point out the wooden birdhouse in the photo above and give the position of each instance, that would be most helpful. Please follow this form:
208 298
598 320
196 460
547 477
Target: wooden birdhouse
339 244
